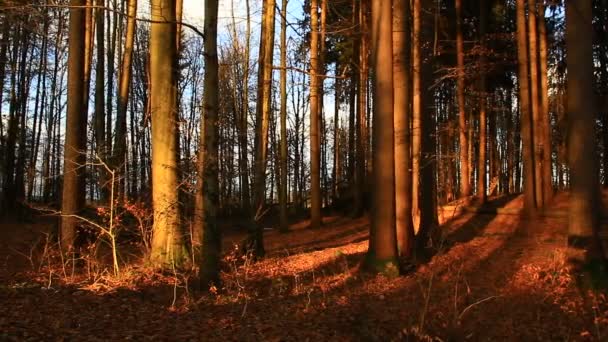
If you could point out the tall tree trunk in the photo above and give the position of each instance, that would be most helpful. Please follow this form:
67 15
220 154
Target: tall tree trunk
525 110
315 107
423 108
168 249
361 119
112 33
337 158
39 110
283 224
402 118
263 112
417 92
100 124
208 196
537 136
382 252
119 154
547 165
583 222
75 135
6 34
483 100
465 185
244 159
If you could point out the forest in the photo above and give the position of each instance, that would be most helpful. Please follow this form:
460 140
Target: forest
263 170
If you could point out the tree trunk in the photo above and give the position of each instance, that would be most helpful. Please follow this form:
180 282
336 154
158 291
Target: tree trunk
537 136
75 135
168 249
483 99
545 120
315 101
283 224
263 112
402 118
583 222
361 134
382 252
416 111
100 135
120 143
525 112
207 195
465 185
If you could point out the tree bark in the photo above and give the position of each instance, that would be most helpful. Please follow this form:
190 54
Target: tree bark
525 112
465 185
75 135
315 144
402 117
100 124
208 194
283 224
583 222
120 141
547 164
537 136
483 99
382 252
168 248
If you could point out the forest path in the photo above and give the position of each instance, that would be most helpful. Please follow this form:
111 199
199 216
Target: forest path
495 277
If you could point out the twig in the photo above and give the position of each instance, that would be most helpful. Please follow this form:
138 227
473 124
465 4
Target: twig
474 304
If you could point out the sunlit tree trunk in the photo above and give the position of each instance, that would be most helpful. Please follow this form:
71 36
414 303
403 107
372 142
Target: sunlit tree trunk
525 111
315 144
583 220
168 248
382 251
208 190
465 185
416 111
483 100
75 137
537 136
402 118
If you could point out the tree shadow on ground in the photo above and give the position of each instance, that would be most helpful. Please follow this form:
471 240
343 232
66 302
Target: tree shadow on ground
472 227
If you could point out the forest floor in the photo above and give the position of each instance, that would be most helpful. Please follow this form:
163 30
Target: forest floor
495 277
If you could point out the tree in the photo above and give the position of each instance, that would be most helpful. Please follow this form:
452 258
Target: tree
120 142
465 185
168 247
537 136
263 111
283 224
75 135
402 118
208 190
526 116
100 124
583 220
483 100
382 252
315 107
